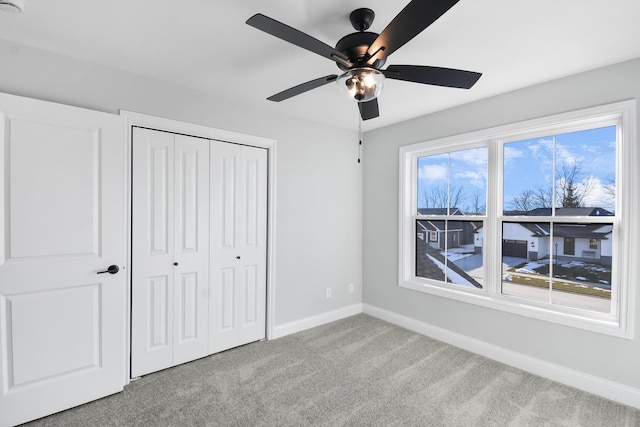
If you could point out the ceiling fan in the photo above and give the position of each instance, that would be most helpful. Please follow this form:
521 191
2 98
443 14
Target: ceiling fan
362 54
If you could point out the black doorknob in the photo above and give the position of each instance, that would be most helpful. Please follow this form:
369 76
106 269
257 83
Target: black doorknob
112 269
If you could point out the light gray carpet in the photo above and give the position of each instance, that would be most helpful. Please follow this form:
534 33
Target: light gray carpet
358 371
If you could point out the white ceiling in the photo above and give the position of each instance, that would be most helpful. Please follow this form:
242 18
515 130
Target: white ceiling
206 45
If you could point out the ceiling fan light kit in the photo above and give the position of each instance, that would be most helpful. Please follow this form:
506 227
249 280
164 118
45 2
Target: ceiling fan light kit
362 54
361 84
12 6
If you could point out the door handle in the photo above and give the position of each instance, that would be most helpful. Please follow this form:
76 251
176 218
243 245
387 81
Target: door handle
113 269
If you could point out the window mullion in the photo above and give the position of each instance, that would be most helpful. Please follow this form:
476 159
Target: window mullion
552 259
492 238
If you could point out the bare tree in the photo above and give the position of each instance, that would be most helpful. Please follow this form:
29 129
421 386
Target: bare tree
529 200
478 204
456 197
525 201
544 197
609 186
439 196
571 189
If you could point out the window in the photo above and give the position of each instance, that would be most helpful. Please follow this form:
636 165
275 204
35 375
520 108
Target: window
529 218
451 203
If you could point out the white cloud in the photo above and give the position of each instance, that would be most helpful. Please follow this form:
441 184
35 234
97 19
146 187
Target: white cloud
433 172
599 193
541 149
512 153
474 156
475 178
565 156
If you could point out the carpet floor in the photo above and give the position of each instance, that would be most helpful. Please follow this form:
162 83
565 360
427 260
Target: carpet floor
358 371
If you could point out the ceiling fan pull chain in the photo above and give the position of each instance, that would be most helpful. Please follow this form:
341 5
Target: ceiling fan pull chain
359 137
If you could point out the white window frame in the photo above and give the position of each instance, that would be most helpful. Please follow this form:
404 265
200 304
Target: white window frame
617 323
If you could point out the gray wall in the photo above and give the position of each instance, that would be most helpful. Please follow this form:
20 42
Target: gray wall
319 182
614 359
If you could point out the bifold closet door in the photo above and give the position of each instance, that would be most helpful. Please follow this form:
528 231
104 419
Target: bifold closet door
238 245
170 249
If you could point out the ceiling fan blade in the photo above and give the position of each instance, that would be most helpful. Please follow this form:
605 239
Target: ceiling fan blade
369 109
297 37
410 22
302 88
437 76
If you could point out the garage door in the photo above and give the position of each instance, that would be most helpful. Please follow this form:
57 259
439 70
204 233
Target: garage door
515 248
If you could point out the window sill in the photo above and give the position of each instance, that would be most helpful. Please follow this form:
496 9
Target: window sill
586 320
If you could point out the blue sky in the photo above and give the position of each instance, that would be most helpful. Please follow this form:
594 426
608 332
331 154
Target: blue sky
466 170
528 166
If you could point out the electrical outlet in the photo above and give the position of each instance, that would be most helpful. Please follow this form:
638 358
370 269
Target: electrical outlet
350 288
328 292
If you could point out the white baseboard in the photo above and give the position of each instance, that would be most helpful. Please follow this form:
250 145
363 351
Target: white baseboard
317 320
608 389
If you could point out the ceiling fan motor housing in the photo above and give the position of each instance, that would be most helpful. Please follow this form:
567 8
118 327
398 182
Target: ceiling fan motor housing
355 46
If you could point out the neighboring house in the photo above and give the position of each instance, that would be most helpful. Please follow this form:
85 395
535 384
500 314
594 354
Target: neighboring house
582 211
458 233
435 235
589 242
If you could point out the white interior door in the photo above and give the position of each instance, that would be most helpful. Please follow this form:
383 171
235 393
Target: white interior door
238 245
170 235
62 326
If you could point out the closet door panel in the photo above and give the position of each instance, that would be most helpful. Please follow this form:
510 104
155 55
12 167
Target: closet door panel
191 252
160 165
223 333
158 289
189 327
225 254
227 187
253 295
152 251
238 245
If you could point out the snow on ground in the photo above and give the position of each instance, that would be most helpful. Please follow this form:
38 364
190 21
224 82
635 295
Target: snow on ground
572 264
530 267
455 254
